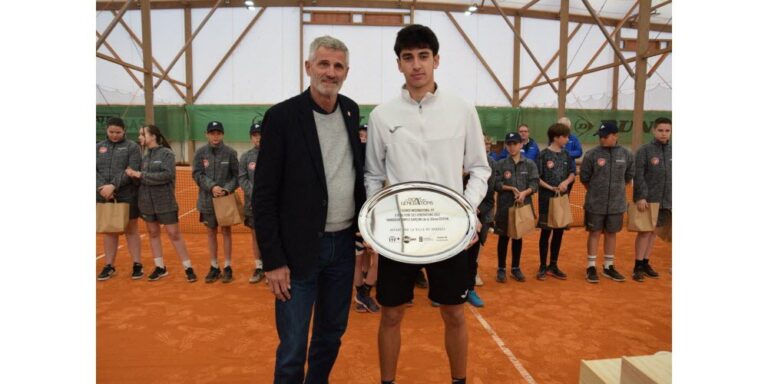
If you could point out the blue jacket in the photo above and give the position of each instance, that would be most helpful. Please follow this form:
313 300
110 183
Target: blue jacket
573 147
531 150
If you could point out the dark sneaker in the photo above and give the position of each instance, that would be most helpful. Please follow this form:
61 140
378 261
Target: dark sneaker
213 275
592 275
638 274
106 273
138 271
258 275
649 271
613 274
421 280
474 299
542 273
501 275
359 308
368 303
435 303
555 272
517 274
227 275
191 277
409 303
158 273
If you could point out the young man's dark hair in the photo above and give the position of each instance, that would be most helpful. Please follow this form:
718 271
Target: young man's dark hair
416 36
662 120
557 130
116 121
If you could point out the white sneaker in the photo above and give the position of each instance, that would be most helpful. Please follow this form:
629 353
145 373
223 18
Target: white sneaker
478 281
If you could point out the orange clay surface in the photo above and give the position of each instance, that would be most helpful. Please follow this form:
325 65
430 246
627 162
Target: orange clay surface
171 331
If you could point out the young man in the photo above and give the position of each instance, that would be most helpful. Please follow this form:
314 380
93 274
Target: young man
557 171
605 172
245 178
305 214
530 149
653 184
214 170
424 125
516 179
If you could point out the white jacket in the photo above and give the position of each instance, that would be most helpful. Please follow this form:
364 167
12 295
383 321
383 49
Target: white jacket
432 140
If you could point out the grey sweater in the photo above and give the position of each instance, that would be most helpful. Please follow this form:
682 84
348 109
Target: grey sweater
653 174
157 191
214 166
245 177
112 159
339 169
605 171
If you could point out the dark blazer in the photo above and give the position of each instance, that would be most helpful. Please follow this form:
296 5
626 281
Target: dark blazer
290 198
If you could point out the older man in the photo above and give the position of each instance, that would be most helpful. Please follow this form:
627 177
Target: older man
304 210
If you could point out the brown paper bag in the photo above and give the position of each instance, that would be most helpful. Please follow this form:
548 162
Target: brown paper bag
228 209
560 215
112 217
520 220
665 232
642 221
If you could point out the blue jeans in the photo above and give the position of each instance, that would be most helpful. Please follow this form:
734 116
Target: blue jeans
329 290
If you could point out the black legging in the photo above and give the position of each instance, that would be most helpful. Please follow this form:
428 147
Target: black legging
472 253
517 250
557 239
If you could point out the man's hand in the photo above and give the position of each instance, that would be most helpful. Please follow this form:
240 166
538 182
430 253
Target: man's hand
106 191
642 205
218 191
279 281
132 173
563 187
475 237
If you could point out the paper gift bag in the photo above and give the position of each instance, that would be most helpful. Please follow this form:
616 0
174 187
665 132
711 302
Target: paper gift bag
642 221
521 220
228 209
665 232
559 211
112 217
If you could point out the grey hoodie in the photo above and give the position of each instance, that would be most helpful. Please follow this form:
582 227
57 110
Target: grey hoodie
247 168
605 171
653 174
214 166
158 182
112 159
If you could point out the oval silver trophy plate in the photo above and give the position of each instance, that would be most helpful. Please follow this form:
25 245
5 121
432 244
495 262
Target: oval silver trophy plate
417 222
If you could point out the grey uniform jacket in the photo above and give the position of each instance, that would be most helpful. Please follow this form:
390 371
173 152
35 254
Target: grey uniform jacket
653 174
605 171
554 168
245 177
214 166
522 176
157 191
112 159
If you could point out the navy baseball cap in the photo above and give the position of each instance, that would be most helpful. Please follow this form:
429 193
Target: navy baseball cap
255 128
215 126
363 127
513 137
606 129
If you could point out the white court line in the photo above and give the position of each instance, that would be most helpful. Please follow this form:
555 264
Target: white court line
511 356
120 246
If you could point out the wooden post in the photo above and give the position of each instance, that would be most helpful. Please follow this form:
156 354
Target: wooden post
516 64
644 21
146 37
113 23
615 88
563 60
189 76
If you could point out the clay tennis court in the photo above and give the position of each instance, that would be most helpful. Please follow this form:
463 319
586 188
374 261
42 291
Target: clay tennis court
171 331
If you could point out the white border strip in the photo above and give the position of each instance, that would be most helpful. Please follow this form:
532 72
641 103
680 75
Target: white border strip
144 234
511 356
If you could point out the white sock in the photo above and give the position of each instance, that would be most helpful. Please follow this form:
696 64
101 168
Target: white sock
259 264
187 264
159 262
608 261
591 259
226 263
214 263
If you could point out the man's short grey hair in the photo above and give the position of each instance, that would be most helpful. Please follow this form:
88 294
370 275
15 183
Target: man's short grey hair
328 42
565 121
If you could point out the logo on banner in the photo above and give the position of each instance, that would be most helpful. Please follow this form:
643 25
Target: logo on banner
507 174
655 160
601 162
252 165
102 149
205 163
550 164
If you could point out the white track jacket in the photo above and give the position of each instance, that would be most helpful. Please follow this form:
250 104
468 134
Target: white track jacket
432 140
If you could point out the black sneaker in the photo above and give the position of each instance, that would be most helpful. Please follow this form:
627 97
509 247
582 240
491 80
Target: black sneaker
421 280
227 275
501 275
158 273
213 275
555 272
613 274
191 277
592 275
106 273
649 271
542 273
638 274
258 275
517 274
138 271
